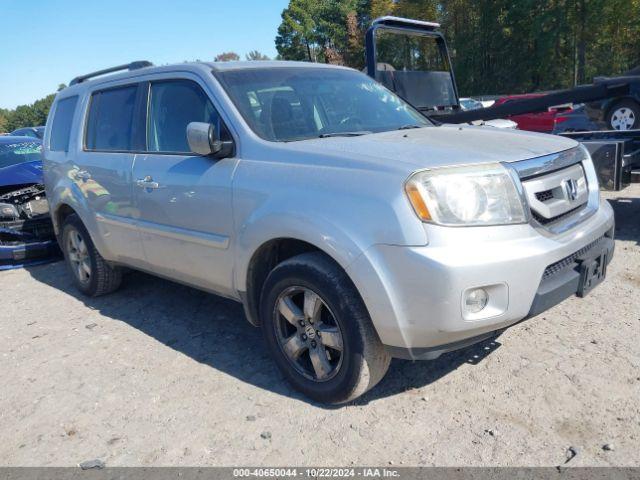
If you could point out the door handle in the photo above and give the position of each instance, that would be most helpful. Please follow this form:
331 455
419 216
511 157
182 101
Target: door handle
82 175
147 182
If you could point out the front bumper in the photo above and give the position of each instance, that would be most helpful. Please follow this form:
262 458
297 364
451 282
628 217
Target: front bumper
561 279
27 242
415 294
22 254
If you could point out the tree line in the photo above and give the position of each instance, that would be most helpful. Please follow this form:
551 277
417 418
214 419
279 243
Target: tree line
496 46
26 115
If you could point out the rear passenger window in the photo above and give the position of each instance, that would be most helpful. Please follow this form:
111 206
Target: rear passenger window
172 106
61 126
111 117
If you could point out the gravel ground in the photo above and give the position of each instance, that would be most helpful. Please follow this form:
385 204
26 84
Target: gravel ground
161 374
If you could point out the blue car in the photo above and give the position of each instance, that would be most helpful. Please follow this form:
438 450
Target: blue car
26 232
34 132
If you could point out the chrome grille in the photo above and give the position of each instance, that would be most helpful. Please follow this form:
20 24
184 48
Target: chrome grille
558 194
546 221
544 189
544 196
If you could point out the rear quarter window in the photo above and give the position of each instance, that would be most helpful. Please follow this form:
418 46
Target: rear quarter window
61 126
111 119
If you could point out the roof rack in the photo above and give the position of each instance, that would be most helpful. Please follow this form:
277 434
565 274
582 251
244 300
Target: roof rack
129 66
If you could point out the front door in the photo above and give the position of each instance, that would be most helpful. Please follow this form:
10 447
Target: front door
183 201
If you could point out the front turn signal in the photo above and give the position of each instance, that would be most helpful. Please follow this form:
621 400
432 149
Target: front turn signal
417 202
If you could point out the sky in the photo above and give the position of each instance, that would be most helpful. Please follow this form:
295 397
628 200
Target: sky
48 42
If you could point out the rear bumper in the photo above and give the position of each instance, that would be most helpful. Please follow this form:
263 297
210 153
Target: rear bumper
415 294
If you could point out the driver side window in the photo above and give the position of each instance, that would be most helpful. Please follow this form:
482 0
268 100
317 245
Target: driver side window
173 105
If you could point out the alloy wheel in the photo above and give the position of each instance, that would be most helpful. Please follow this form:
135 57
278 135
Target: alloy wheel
78 255
623 119
308 333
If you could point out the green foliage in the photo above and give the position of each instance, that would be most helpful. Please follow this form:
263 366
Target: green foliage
26 115
4 120
32 115
497 46
528 45
256 55
320 30
380 8
290 45
226 57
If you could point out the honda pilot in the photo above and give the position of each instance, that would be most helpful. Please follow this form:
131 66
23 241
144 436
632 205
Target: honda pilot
351 228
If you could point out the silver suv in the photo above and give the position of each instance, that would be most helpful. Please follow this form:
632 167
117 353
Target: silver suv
350 227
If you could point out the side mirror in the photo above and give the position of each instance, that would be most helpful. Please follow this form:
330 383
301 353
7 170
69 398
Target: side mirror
202 139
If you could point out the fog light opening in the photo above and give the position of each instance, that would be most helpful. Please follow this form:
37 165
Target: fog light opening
475 300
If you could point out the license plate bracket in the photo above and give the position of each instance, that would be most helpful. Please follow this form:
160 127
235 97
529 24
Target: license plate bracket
592 272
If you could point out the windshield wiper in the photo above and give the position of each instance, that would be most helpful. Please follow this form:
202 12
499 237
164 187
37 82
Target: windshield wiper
344 134
409 127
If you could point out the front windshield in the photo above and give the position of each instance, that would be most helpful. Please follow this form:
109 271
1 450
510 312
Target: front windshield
19 152
286 104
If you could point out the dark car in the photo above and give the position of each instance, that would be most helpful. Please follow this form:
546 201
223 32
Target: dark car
574 119
619 113
34 132
26 232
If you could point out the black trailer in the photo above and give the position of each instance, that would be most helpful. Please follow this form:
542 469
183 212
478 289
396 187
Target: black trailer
616 156
411 58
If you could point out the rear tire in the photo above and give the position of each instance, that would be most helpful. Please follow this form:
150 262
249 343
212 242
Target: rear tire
324 342
624 115
91 274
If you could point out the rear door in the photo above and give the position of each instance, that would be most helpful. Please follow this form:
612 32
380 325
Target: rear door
183 200
114 131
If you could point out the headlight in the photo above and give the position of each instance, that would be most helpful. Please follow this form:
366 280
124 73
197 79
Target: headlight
466 196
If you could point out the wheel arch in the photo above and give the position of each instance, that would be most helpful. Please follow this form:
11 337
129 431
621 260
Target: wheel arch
611 104
63 209
61 213
264 259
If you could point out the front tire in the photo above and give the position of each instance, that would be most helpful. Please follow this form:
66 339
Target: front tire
319 331
92 275
624 115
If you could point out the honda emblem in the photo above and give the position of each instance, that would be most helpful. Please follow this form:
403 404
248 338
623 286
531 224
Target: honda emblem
571 188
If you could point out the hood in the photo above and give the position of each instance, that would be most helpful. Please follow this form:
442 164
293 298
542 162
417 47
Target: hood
439 146
21 174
